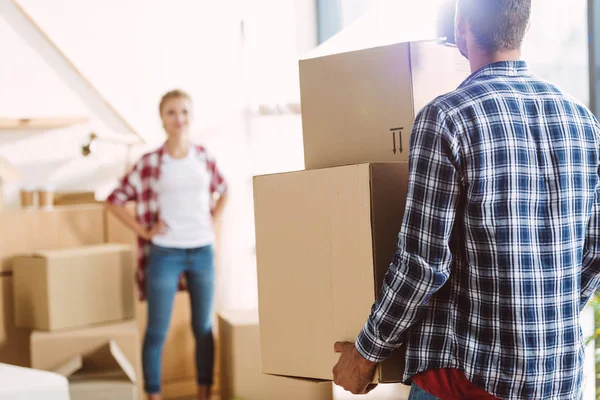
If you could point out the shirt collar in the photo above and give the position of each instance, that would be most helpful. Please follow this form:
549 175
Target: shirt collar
163 150
502 68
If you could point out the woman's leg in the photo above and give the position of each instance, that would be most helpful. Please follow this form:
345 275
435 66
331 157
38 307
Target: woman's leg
162 277
201 281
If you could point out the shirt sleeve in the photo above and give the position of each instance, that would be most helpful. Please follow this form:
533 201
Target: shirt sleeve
128 188
422 263
590 266
218 184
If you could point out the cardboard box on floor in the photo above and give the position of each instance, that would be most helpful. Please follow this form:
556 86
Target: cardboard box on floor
179 369
73 287
241 375
26 231
14 343
325 239
104 373
49 350
359 101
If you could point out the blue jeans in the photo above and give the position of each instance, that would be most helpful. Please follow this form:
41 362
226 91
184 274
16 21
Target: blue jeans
416 393
162 278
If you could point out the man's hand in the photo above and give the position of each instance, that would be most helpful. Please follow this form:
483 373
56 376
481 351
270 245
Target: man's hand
353 372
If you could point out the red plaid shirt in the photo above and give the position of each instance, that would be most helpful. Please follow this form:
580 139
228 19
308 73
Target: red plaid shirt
139 185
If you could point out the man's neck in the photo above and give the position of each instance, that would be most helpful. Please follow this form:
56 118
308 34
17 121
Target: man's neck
479 60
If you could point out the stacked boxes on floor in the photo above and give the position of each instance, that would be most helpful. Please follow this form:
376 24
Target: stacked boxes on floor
29 231
64 295
325 236
79 303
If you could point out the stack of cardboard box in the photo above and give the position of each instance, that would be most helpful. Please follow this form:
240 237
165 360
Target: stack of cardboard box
63 294
325 236
30 231
79 303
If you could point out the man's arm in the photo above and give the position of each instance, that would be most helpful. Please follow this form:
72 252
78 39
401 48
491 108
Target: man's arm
421 266
590 266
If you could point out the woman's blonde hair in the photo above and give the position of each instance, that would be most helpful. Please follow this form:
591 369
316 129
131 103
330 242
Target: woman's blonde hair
173 94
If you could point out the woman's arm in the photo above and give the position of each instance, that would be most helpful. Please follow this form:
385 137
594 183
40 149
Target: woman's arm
219 205
129 220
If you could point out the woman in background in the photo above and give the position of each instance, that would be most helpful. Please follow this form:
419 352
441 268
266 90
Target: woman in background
178 191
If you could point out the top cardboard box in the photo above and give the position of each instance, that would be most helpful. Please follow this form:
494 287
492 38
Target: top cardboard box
72 288
359 104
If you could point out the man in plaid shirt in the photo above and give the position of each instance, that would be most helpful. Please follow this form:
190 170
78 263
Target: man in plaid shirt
499 250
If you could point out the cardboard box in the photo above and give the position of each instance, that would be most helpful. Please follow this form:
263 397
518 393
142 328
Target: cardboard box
27 231
325 239
105 373
50 350
359 106
14 343
73 287
241 375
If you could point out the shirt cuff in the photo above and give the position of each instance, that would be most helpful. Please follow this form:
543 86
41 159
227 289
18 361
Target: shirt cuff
118 199
222 189
371 347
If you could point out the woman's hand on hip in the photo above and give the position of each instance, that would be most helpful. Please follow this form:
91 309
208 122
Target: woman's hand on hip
160 228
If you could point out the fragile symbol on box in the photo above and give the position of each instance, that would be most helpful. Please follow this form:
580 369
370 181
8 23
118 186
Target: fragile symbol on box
400 147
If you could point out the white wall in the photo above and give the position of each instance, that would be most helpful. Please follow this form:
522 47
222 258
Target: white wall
556 46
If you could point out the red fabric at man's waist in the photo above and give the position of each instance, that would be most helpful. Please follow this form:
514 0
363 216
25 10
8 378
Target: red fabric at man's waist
450 384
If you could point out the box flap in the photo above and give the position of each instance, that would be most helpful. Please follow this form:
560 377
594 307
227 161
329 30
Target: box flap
70 367
394 22
106 362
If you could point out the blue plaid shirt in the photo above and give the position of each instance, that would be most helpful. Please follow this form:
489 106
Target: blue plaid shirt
500 245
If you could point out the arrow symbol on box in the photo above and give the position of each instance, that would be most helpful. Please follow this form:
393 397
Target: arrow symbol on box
400 148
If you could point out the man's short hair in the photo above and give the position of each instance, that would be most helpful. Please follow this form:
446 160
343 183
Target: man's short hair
497 25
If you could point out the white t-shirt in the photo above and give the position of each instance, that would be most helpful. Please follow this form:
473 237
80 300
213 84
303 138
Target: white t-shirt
184 202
